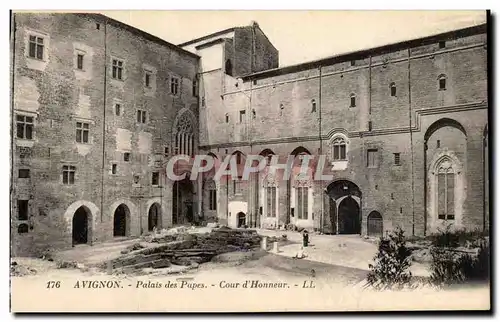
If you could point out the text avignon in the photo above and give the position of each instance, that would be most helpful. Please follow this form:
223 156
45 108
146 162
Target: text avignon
97 284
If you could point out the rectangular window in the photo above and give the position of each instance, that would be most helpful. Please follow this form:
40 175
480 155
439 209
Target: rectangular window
372 158
195 88
353 101
126 156
82 132
155 178
118 109
147 79
302 202
22 210
79 61
117 69
114 168
237 186
442 196
174 85
242 116
69 174
212 205
397 158
167 151
442 44
24 173
442 84
24 127
141 116
353 63
271 201
36 47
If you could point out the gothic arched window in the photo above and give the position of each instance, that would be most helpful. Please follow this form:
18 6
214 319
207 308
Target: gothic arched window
339 147
184 135
446 190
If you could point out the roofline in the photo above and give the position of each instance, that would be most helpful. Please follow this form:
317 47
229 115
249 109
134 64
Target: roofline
458 33
135 30
215 34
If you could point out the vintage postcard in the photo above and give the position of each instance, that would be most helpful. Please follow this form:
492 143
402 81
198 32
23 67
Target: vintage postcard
249 161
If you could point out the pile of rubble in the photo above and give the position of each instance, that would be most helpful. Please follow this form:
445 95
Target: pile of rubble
184 249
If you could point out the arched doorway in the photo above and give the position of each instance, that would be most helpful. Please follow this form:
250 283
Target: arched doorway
121 221
154 217
80 226
241 219
345 205
348 216
182 202
375 224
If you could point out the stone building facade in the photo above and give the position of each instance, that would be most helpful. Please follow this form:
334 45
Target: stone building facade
404 127
99 107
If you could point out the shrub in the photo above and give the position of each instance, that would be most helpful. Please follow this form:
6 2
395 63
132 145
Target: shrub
452 267
392 262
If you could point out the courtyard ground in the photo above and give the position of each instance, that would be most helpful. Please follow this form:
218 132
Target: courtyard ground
330 278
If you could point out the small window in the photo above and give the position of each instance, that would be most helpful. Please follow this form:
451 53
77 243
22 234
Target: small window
254 114
242 116
392 195
401 210
24 173
98 26
438 144
126 156
442 44
24 126
393 89
353 100
118 109
442 82
136 179
22 229
353 63
141 116
22 210
227 118
79 61
117 69
155 178
147 79
174 85
82 132
69 174
114 168
397 158
203 101
370 125
36 47
212 205
195 88
254 82
238 158
313 106
229 67
372 158
167 151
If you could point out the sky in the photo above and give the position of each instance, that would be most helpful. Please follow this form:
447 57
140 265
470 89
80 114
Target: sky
302 36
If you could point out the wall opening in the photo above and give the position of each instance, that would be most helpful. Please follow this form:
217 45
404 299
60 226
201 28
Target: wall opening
241 219
121 221
375 224
154 217
80 227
